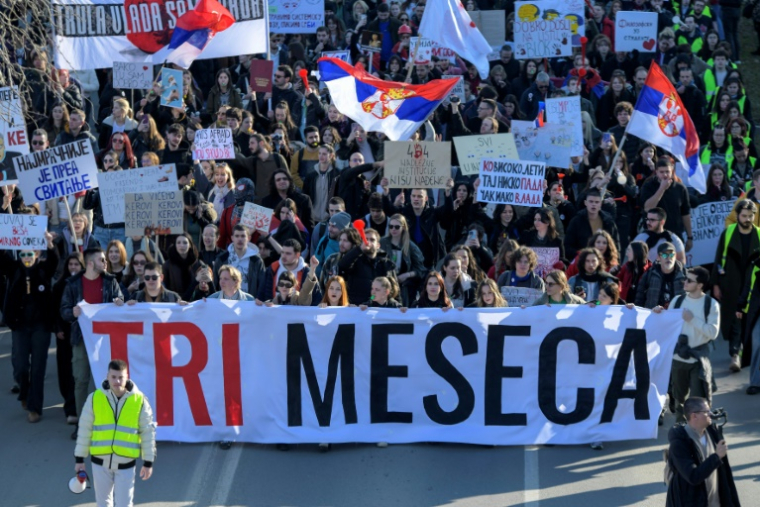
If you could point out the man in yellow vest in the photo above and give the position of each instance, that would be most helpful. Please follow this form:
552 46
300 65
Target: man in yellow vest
115 427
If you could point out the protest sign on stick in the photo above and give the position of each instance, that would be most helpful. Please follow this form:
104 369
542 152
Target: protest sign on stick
636 31
115 184
417 164
472 149
13 140
213 144
256 218
519 182
707 223
132 76
23 232
550 144
567 111
539 32
150 213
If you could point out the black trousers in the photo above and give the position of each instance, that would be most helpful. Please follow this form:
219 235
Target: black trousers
65 375
29 356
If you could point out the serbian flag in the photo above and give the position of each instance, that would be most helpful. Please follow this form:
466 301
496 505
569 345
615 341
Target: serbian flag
395 109
195 29
661 118
448 23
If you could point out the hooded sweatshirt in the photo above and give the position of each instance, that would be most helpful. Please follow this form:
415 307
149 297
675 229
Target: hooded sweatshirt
242 263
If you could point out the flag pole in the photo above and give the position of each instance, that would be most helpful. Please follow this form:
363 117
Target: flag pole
71 223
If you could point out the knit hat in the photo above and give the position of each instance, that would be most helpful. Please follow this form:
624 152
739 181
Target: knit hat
383 8
341 220
665 247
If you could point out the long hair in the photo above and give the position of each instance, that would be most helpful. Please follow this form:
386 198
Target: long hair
73 255
155 141
273 187
122 254
583 255
404 232
498 299
611 256
504 257
343 291
473 269
640 252
548 219
424 299
50 123
129 156
612 290
724 187
457 290
130 275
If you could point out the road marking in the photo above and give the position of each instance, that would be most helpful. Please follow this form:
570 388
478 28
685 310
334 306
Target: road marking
202 472
531 487
226 476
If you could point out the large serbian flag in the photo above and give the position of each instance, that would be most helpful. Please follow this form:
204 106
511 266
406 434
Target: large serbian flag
661 118
195 29
395 109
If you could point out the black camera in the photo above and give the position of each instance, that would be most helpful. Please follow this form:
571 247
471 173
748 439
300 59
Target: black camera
454 99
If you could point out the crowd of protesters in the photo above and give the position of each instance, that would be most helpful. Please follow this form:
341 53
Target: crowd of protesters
622 232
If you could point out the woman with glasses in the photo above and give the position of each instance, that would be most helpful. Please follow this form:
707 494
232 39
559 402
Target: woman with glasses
132 281
122 147
558 291
524 261
230 281
591 275
287 291
406 255
544 233
487 295
121 120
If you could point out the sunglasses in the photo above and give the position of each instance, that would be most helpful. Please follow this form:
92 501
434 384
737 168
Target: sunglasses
689 280
150 277
667 255
118 141
394 227
285 285
26 254
138 263
38 143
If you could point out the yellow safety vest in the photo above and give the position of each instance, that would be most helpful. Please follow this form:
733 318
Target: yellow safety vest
706 156
729 234
110 436
751 161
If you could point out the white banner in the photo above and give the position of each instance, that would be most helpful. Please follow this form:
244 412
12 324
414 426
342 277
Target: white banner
23 232
57 172
517 182
13 141
707 223
289 16
225 370
115 184
91 34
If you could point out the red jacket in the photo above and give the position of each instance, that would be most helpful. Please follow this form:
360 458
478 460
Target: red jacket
625 276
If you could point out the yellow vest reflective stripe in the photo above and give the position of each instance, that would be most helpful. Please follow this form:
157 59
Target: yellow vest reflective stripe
729 234
751 161
110 436
706 156
751 287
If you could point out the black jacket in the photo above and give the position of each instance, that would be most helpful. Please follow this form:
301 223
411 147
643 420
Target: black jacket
303 203
687 488
359 272
579 231
256 271
92 202
432 245
73 294
21 308
167 296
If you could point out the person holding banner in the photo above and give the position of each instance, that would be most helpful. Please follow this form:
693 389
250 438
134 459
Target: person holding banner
523 261
591 275
154 291
230 280
487 295
28 299
433 294
558 291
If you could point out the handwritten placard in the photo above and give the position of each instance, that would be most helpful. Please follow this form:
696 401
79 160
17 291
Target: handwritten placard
472 149
114 185
707 223
132 76
417 164
13 139
540 32
550 144
422 49
511 182
150 213
636 31
256 217
213 144
567 111
22 232
520 296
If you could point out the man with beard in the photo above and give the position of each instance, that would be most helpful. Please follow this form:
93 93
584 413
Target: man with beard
665 192
281 187
329 245
304 159
738 248
656 234
259 167
244 192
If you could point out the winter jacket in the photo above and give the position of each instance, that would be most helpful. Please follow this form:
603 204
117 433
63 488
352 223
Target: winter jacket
303 204
106 130
302 297
534 282
146 431
178 274
25 309
591 284
650 285
214 99
254 275
66 137
167 296
268 290
567 299
432 246
73 294
92 202
629 282
579 231
359 271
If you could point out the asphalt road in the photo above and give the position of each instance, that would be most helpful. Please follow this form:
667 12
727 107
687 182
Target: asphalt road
37 462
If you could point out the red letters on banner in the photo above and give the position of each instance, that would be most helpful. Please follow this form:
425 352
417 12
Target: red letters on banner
118 332
233 397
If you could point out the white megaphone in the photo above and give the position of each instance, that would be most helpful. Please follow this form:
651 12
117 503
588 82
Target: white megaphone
78 483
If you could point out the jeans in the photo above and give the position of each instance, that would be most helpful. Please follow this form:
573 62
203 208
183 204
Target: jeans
63 355
105 236
80 366
686 383
754 367
731 17
29 355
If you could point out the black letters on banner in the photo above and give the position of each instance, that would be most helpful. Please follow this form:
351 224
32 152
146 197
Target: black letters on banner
634 342
443 367
496 371
547 375
299 354
381 371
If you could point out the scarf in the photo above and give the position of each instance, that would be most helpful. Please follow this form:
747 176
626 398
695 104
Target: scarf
653 238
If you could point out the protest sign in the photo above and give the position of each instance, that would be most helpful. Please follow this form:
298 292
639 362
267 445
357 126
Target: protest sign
567 111
458 90
417 164
472 149
13 141
636 31
372 41
132 76
520 296
213 144
547 258
551 143
491 24
90 33
288 16
505 181
559 375
256 218
23 232
540 32
150 213
57 172
171 87
260 79
444 53
424 54
114 185
707 223
344 56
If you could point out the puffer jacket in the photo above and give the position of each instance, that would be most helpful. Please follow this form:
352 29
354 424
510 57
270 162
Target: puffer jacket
147 432
72 295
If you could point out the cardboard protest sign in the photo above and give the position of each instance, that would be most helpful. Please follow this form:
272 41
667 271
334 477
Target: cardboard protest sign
444 53
707 223
491 24
551 143
132 76
636 31
417 164
13 140
540 32
340 55
424 53
260 79
547 258
115 185
256 218
23 232
511 182
567 111
171 87
213 144
520 296
57 172
372 41
287 16
472 149
150 213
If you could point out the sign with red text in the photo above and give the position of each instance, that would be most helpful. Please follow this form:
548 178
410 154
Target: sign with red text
518 182
472 149
567 111
22 232
213 144
547 258
636 31
228 370
256 218
13 140
417 164
422 49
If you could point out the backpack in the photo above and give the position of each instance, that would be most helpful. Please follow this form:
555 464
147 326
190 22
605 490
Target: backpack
708 304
